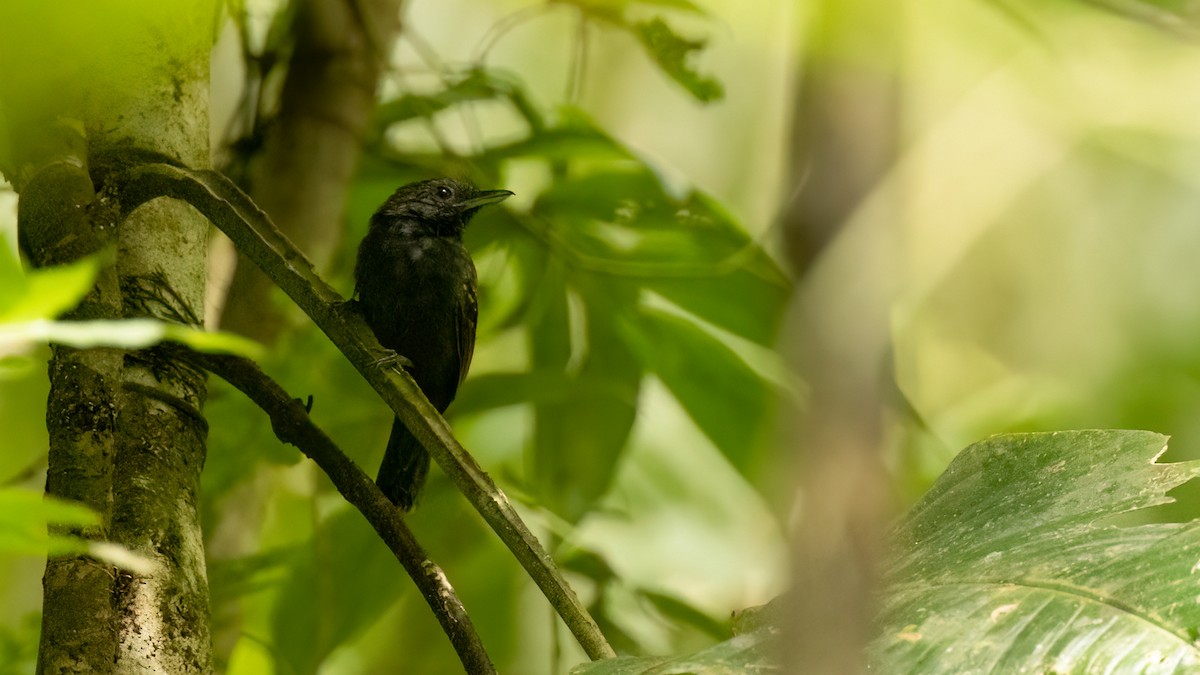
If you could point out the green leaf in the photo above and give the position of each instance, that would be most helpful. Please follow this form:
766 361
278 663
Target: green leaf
1011 564
575 137
214 342
46 293
499 390
579 436
124 334
12 278
335 594
672 53
19 644
476 85
26 515
684 613
740 301
723 395
232 580
623 223
508 283
751 653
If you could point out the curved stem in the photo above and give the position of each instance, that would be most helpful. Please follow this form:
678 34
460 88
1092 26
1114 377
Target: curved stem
257 238
292 425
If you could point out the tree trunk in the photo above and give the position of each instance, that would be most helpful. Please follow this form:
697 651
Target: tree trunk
312 147
85 93
840 238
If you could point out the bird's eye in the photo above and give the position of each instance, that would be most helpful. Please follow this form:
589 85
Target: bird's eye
444 192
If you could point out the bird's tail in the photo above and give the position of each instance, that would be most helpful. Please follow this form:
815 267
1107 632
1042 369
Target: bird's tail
405 465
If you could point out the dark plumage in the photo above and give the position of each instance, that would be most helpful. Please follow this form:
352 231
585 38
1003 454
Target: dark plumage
416 287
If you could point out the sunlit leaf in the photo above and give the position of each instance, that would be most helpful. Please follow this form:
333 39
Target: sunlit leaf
1008 563
754 313
215 342
124 334
578 437
12 278
14 367
45 293
26 515
726 398
123 558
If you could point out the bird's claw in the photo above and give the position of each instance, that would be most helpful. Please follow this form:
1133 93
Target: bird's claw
391 359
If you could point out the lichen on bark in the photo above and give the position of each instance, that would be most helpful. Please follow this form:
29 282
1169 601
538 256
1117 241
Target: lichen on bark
84 94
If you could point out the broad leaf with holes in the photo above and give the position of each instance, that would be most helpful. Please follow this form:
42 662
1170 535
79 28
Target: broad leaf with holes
1011 563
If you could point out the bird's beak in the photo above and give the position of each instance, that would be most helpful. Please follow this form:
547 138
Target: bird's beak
485 197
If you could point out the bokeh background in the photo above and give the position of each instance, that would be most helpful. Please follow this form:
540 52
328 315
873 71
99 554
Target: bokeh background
1012 183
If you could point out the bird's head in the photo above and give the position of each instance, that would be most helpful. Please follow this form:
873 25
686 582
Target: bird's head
440 207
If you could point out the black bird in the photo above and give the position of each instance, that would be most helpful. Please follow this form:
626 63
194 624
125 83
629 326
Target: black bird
416 288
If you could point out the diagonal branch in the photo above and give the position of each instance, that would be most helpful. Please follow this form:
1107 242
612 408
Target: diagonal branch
291 424
256 237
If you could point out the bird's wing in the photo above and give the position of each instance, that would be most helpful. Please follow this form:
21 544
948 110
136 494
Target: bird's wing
468 316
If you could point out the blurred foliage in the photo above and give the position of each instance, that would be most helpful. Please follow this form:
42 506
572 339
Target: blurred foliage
624 385
742 654
1013 562
604 276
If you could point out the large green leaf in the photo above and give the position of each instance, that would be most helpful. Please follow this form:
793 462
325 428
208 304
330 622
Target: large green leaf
335 594
724 396
26 515
579 436
623 223
123 333
46 293
1011 563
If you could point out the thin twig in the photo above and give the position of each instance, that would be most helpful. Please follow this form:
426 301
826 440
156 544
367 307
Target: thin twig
291 423
257 238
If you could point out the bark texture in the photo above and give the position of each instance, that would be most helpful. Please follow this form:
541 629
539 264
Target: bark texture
312 147
85 93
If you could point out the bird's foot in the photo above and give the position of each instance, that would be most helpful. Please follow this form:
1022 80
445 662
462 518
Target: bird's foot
307 405
391 359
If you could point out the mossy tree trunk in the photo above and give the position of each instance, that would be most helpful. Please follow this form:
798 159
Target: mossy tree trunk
87 90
